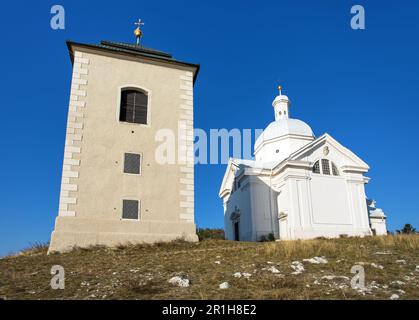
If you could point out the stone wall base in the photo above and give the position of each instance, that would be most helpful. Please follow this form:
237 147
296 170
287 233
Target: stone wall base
71 232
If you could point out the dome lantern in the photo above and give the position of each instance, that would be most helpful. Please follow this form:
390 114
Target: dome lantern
281 105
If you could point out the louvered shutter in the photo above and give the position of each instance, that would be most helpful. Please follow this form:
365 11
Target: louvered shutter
140 113
127 105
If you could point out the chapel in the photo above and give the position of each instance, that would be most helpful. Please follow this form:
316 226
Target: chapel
298 186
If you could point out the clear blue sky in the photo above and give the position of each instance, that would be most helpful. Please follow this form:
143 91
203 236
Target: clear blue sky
362 87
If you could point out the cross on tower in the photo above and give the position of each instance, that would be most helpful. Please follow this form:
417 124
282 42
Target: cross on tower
138 33
139 23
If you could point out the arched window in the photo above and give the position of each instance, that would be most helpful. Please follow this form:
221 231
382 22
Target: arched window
133 106
316 167
326 167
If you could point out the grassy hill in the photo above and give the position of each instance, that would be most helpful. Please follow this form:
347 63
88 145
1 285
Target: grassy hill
270 270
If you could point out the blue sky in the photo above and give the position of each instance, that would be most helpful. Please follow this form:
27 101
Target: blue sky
362 87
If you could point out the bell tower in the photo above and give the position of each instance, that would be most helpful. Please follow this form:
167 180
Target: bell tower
114 189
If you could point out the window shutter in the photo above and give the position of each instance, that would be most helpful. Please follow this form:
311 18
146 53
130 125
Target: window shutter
130 209
132 163
140 114
127 105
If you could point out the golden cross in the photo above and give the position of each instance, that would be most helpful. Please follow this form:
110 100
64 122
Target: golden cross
139 23
137 32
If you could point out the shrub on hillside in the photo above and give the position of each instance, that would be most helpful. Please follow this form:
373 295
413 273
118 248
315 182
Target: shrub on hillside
407 229
268 238
207 233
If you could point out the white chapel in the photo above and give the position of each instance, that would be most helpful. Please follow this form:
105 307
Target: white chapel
297 186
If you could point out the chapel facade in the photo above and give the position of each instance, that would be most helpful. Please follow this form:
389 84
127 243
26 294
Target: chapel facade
297 186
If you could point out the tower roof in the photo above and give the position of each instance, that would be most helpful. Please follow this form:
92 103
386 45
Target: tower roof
132 50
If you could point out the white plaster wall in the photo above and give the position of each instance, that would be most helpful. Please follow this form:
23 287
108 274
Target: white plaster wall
264 208
379 225
258 210
325 206
284 206
330 201
239 199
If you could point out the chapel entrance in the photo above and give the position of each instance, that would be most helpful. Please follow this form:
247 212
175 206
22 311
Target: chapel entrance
236 231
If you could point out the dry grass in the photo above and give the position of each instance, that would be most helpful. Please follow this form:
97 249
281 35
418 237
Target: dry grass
142 271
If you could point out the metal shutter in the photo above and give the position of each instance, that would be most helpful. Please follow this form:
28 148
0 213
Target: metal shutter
130 209
132 163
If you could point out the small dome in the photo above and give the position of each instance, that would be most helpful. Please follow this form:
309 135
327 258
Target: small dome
284 127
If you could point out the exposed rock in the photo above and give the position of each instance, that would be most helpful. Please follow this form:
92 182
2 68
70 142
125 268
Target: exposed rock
409 278
332 277
316 260
224 285
377 266
394 297
217 262
178 281
374 285
272 269
298 267
244 275
401 261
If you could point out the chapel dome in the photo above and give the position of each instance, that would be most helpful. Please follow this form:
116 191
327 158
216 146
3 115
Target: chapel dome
283 127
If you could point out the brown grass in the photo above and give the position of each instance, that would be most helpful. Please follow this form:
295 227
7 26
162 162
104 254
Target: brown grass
142 271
